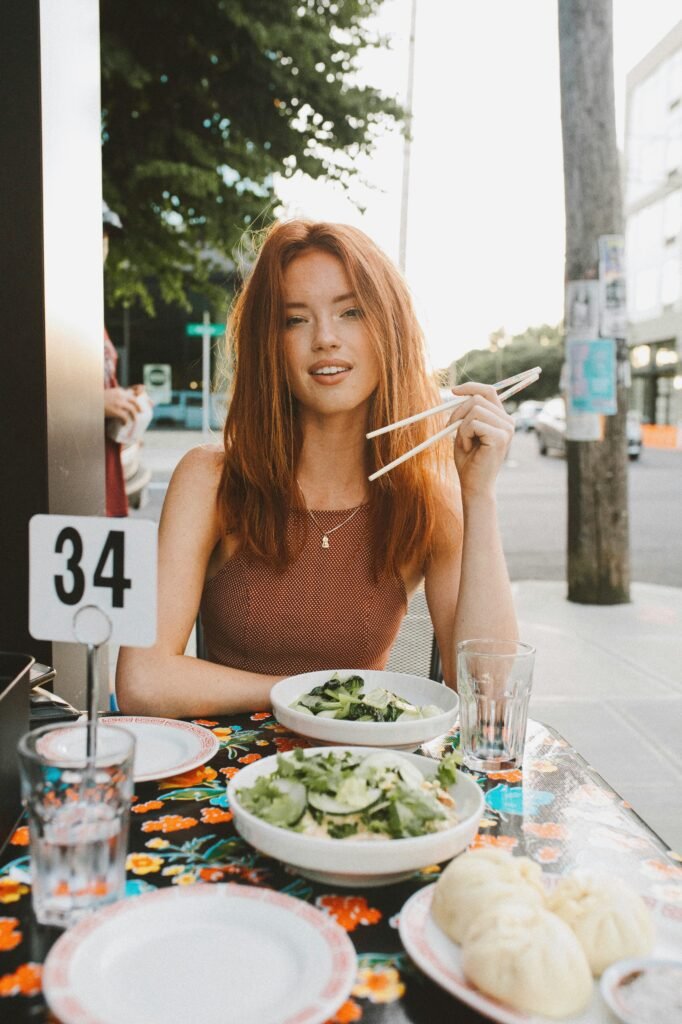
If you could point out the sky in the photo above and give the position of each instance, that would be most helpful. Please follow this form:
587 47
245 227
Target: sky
485 228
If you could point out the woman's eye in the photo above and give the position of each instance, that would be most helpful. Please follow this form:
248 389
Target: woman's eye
292 321
353 313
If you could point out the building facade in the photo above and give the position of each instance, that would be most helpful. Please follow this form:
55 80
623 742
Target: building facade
653 215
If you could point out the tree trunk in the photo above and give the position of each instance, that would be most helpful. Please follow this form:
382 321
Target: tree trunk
598 531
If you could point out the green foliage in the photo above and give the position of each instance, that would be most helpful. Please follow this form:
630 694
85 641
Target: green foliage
536 346
202 103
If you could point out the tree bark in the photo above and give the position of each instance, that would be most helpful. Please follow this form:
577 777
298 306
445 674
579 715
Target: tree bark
598 529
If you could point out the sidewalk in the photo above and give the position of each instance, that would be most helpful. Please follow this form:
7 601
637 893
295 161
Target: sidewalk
609 679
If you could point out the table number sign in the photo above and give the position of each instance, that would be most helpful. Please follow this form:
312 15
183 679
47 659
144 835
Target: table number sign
92 580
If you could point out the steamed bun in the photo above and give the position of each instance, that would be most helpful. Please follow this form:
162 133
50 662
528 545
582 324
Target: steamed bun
479 879
528 958
609 918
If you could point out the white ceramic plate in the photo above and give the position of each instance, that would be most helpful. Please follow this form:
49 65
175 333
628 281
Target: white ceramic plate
357 862
163 746
209 953
440 959
398 735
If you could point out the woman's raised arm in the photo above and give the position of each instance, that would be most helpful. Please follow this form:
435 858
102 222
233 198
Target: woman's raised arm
162 680
478 579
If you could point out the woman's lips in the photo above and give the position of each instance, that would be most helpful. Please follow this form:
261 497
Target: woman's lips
329 373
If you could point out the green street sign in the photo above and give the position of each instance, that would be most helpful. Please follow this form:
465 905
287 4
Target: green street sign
197 330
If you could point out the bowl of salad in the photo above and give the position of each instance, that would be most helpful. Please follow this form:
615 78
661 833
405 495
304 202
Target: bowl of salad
365 707
356 816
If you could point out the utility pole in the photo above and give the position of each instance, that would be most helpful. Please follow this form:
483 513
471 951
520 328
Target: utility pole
598 529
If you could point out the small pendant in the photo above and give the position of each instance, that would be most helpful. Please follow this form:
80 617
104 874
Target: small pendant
325 541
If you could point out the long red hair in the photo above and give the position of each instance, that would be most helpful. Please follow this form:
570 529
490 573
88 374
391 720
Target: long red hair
262 437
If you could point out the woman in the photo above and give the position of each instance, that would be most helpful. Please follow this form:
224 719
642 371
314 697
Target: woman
297 561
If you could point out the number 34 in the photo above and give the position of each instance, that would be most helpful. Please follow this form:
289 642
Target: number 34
70 589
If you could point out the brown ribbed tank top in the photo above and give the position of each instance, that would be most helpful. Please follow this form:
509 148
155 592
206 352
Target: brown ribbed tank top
323 611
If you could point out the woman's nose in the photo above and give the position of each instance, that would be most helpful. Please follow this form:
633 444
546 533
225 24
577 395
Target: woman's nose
325 334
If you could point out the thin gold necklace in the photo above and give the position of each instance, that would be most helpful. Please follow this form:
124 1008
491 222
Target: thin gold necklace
325 533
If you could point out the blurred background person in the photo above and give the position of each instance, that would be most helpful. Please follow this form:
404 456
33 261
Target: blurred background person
121 405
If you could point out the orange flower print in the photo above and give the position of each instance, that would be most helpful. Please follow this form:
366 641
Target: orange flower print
9 935
349 911
284 743
547 854
222 732
25 981
169 823
379 984
157 843
545 829
260 715
249 758
20 836
204 721
150 805
507 775
197 777
229 773
503 842
659 870
225 871
143 863
546 767
212 815
347 1014
11 891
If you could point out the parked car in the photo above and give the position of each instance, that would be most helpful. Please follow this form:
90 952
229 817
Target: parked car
550 429
524 416
135 474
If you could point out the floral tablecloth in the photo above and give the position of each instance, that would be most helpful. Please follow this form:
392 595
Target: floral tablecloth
556 810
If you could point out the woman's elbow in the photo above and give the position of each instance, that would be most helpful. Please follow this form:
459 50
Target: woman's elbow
135 692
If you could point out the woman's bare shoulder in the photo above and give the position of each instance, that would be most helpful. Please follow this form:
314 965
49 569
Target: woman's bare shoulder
203 463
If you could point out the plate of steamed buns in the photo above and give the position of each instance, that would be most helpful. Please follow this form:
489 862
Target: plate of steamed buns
520 946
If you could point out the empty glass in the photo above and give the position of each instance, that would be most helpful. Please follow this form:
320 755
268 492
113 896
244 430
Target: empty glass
78 816
494 679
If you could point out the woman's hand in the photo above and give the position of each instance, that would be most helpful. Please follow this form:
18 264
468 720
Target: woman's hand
483 438
120 404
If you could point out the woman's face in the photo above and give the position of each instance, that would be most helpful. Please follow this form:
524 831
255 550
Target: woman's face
331 363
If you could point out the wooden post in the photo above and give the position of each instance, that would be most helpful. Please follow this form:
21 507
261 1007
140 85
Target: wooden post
598 529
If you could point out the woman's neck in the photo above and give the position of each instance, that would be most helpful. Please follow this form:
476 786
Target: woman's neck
331 470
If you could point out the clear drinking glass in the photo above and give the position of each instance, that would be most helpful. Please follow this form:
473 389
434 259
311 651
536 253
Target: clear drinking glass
78 816
494 679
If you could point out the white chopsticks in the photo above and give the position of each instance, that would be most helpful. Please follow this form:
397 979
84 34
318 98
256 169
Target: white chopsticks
512 385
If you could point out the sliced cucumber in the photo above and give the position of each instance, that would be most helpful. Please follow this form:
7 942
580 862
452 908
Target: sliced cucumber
288 807
387 760
348 801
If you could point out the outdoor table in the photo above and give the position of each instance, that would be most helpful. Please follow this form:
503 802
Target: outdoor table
556 810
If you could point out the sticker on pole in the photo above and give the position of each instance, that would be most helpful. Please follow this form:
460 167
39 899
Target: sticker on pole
91 575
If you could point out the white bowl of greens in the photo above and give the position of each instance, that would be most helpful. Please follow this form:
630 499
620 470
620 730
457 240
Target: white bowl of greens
365 707
354 816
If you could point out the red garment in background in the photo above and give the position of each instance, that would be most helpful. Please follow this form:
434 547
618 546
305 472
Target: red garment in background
117 501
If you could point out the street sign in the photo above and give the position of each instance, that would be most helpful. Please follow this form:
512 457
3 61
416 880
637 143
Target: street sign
157 379
85 571
198 330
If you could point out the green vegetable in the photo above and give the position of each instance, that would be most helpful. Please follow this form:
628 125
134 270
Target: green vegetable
348 794
343 698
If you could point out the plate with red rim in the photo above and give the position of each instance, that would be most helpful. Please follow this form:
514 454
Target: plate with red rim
440 958
163 746
199 953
